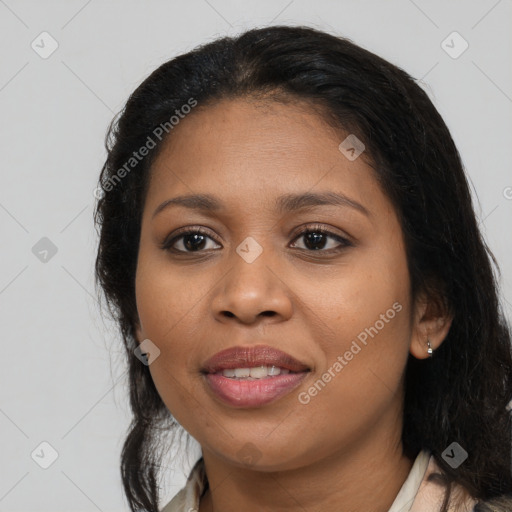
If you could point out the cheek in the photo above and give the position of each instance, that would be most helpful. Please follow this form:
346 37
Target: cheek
368 318
361 374
167 297
370 291
170 309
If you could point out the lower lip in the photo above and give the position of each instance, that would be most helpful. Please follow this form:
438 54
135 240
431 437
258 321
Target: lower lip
253 393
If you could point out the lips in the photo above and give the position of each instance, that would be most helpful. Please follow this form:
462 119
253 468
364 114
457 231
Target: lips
250 357
226 375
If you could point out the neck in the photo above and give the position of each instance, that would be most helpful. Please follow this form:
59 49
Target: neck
366 477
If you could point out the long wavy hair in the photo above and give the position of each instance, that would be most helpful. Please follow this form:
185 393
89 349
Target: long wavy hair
461 393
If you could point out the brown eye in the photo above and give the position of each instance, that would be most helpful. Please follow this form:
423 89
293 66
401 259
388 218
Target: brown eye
191 241
316 239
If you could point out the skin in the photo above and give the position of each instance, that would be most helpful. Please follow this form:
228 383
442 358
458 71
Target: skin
327 454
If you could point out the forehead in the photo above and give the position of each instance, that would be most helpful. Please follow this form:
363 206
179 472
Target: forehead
250 152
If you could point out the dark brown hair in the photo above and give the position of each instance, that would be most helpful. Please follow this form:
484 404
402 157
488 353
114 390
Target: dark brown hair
462 392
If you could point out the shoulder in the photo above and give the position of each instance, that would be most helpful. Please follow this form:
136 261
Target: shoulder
500 504
189 496
432 490
431 494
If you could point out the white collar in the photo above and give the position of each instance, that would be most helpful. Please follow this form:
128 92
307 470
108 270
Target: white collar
405 497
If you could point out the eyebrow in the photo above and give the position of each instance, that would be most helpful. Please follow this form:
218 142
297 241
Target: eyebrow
284 204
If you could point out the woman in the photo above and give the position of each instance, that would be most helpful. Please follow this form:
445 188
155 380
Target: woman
288 243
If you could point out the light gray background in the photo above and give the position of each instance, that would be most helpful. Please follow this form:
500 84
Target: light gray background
62 374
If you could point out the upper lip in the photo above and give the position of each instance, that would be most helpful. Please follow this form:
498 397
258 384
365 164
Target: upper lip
249 357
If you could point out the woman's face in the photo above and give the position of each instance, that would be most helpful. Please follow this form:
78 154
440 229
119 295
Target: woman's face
341 308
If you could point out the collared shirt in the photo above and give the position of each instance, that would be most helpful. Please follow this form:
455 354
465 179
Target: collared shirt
417 494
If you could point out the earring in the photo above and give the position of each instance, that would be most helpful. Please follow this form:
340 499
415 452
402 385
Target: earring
429 350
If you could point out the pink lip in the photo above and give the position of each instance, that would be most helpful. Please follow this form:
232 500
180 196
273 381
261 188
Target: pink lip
249 357
252 393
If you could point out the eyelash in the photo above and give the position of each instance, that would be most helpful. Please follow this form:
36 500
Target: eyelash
167 244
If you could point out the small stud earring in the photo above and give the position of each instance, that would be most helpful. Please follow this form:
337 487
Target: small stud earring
429 350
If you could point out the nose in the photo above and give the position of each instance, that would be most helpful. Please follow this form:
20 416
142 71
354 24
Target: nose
251 290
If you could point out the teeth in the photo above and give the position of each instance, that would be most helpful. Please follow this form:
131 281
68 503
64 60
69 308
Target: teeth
242 372
274 371
258 372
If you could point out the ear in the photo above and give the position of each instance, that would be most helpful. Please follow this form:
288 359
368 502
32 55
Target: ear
430 320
